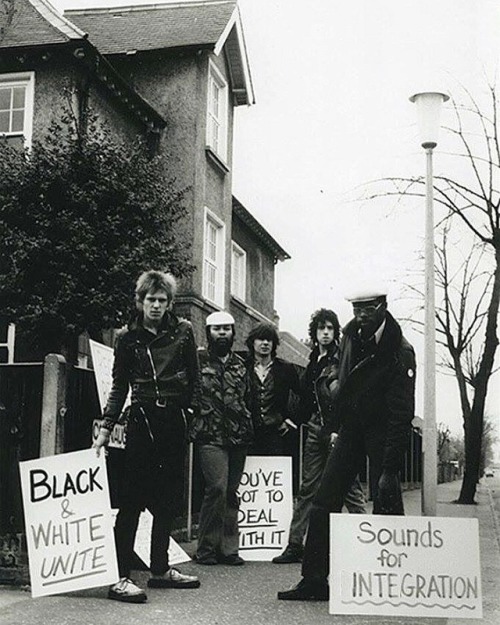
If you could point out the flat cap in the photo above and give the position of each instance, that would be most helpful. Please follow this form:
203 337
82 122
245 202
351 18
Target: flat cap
366 295
220 318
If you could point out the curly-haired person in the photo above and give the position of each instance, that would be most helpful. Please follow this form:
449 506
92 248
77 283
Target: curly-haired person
324 332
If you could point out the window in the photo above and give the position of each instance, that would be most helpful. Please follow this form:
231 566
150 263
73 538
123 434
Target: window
217 111
213 259
16 107
238 271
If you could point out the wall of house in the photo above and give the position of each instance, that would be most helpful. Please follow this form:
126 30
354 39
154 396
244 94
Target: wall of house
120 121
170 82
260 269
55 81
175 83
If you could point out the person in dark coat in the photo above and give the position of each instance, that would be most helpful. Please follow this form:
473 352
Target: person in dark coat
375 404
272 380
324 333
222 432
156 357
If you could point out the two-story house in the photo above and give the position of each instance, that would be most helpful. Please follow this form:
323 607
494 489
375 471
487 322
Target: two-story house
174 73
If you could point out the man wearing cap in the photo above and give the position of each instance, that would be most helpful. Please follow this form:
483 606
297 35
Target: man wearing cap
222 432
374 401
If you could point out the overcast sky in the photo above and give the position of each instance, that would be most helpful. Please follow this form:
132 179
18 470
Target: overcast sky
332 81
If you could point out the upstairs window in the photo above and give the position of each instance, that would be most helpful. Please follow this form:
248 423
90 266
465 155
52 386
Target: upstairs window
16 107
238 271
213 259
217 112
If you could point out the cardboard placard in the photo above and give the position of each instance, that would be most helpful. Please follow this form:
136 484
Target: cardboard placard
69 527
102 359
266 506
405 566
176 554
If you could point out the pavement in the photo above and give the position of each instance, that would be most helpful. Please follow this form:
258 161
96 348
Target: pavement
247 595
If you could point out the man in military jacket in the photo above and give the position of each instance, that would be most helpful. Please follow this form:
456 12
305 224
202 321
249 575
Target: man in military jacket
222 432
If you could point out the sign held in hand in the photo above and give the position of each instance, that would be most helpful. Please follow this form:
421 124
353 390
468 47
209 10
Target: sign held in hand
69 528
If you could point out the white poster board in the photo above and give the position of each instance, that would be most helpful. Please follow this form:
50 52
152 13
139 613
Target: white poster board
142 544
405 566
102 359
266 506
69 527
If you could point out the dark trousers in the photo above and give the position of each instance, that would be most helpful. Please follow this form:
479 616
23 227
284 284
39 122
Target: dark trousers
153 478
316 451
268 441
344 462
222 468
126 524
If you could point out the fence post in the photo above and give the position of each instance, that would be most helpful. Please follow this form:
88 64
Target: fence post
53 405
189 523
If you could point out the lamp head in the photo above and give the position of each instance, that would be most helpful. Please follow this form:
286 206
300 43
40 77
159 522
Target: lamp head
429 106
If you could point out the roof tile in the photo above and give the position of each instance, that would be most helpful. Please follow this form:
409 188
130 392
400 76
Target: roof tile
117 30
21 24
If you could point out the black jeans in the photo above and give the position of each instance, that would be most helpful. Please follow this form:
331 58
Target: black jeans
344 462
153 479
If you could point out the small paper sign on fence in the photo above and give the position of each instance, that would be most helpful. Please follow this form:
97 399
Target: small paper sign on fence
405 566
266 504
69 528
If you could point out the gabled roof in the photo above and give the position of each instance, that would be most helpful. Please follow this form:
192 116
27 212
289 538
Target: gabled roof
37 24
211 24
34 23
259 231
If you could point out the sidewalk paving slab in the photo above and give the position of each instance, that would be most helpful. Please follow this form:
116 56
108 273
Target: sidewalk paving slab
247 595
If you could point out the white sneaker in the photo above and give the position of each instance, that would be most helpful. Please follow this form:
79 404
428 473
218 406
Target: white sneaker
125 590
174 579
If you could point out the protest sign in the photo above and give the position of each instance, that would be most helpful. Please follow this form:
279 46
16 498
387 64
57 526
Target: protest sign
176 554
405 566
69 527
102 359
266 504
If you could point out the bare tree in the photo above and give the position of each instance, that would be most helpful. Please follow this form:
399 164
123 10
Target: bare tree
443 442
468 320
490 438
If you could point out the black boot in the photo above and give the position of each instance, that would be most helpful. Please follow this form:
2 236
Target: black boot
306 590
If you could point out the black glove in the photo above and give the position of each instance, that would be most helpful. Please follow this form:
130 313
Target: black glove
389 492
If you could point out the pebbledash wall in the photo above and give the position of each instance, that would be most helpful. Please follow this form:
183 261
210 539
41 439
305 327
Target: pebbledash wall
175 83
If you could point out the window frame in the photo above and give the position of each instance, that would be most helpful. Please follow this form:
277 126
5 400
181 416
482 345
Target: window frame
27 80
220 248
219 146
240 253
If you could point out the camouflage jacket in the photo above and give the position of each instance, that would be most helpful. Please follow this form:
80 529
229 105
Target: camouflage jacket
224 418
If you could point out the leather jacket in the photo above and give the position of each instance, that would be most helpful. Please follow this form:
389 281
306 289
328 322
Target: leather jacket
159 367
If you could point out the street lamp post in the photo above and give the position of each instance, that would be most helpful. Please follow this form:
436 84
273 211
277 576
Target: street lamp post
429 109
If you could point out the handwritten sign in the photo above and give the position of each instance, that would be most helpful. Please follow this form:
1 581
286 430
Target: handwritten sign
266 504
142 544
118 436
102 359
406 566
69 527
